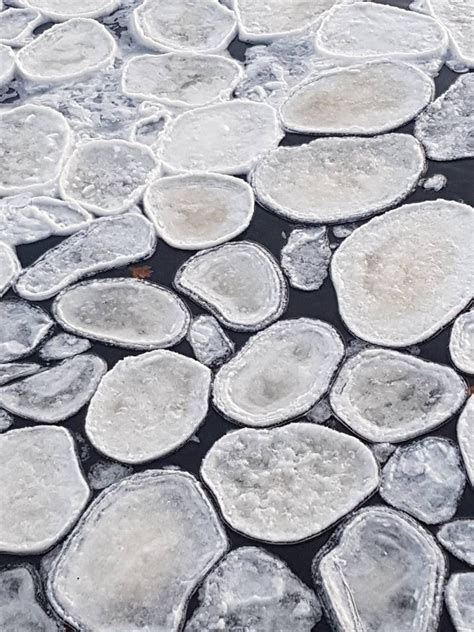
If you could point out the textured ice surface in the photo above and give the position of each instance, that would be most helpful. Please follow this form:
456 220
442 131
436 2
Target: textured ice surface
129 313
149 130
20 610
57 393
457 17
106 243
227 137
181 79
445 127
382 451
425 478
384 395
176 538
7 64
253 590
280 373
465 432
63 346
338 179
148 406
369 30
384 573
17 25
27 165
107 176
459 596
461 342
22 328
195 211
184 25
305 258
435 182
105 473
43 489
59 10
403 276
66 217
21 222
9 267
367 98
288 484
6 420
13 370
210 344
320 413
67 51
240 283
458 538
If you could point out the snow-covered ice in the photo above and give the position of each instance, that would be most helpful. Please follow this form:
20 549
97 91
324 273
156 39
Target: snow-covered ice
435 182
17 25
465 434
458 538
61 10
7 64
63 346
459 597
13 370
209 342
461 342
457 17
9 267
22 328
67 217
305 258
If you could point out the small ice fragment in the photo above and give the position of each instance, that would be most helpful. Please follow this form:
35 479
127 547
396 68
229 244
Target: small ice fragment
7 64
67 217
288 484
342 231
148 130
61 10
382 451
457 17
43 489
465 432
105 473
334 180
184 25
305 258
106 243
12 371
9 267
320 413
459 597
129 313
458 538
240 283
147 406
435 182
22 328
17 26
177 539
63 346
461 342
70 50
387 300
196 211
426 479
252 590
6 420
210 344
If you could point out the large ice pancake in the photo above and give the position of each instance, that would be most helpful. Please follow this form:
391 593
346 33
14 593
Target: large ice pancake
382 573
279 374
227 138
458 538
129 313
57 393
184 25
465 433
240 283
457 16
368 98
148 406
168 536
459 597
199 210
252 590
22 328
333 180
9 267
403 276
27 165
60 10
384 395
70 50
17 26
43 488
7 64
288 484
106 243
461 342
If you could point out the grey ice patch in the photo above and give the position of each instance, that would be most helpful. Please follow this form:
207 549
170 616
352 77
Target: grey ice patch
465 433
63 346
6 420
458 538
209 342
461 342
382 451
9 267
22 328
105 473
459 598
320 413
305 258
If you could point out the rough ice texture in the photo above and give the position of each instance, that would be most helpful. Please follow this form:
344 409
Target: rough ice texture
240 283
368 98
63 346
107 176
196 211
279 374
384 395
43 489
106 243
320 413
465 432
184 25
305 258
458 538
129 313
445 127
59 10
403 276
288 484
66 217
30 166
459 596
148 406
22 328
227 137
338 179
105 473
181 79
13 370
382 451
6 420
17 26
461 342
253 590
149 130
57 393
209 343
457 17
176 538
435 182
7 64
425 479
381 573
9 267
67 51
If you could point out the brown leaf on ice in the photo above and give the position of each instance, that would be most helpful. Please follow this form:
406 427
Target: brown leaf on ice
140 272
